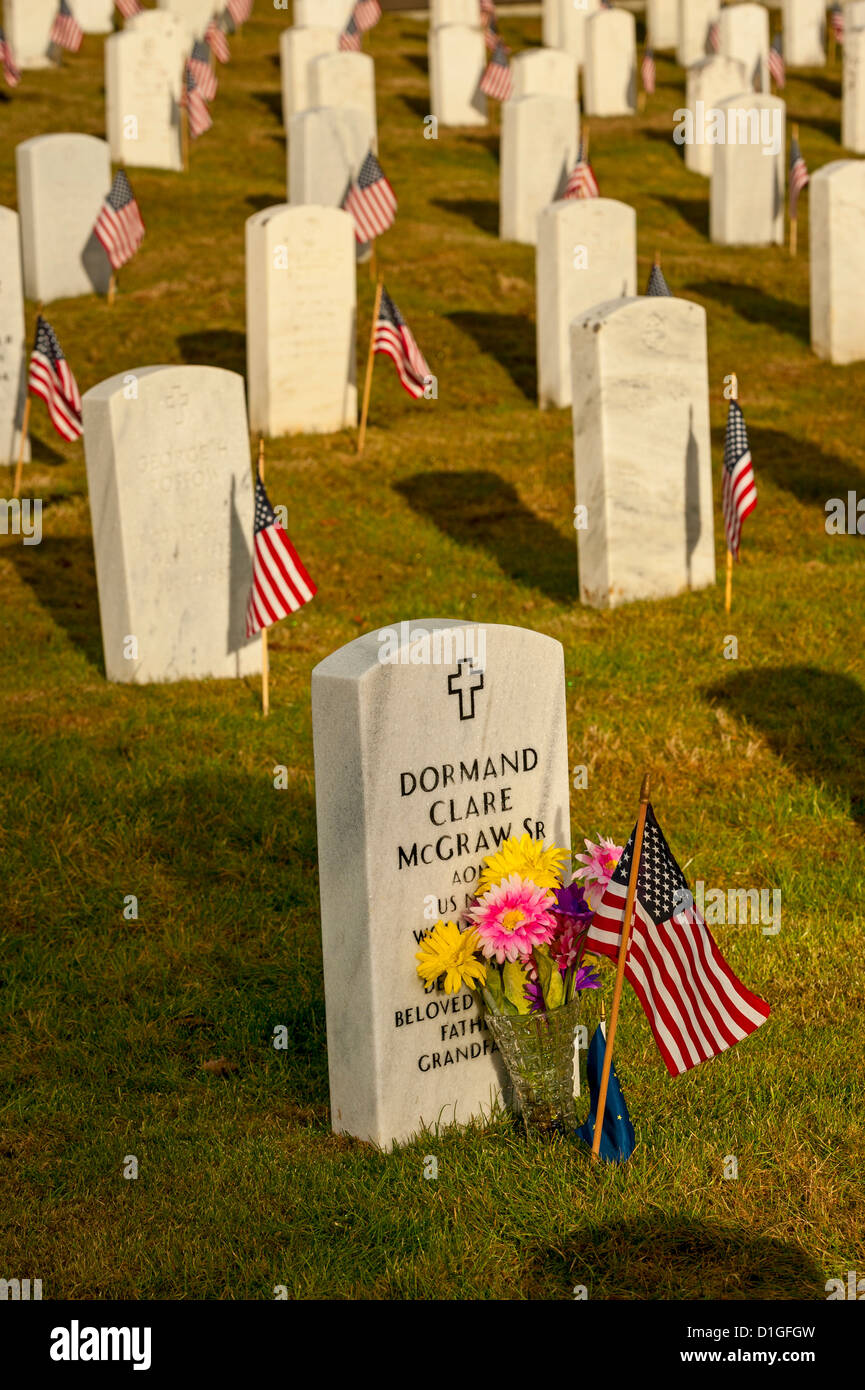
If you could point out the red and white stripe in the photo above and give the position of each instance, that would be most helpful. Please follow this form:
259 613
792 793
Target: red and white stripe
11 73
205 78
217 42
373 209
66 32
696 1006
240 10
280 583
582 182
367 14
497 81
121 233
128 8
59 390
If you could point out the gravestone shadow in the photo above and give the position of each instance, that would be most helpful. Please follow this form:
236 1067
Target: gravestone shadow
484 212
756 306
491 143
830 86
675 1258
812 720
61 572
96 265
259 201
419 106
509 339
273 102
239 571
223 347
693 522
694 211
479 509
419 61
801 468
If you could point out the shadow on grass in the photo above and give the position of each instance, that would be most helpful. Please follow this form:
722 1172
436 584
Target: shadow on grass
824 124
419 106
273 102
259 201
803 469
813 720
481 510
42 452
756 306
419 61
491 143
223 347
484 212
653 1258
694 211
830 86
509 339
62 574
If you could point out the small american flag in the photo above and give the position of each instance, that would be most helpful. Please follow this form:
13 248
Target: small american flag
280 583
51 378
394 338
695 1005
350 40
119 226
799 176
371 201
128 8
66 32
216 41
714 36
492 38
367 14
10 72
199 65
648 72
657 286
240 10
777 66
497 81
196 107
582 182
739 490
836 18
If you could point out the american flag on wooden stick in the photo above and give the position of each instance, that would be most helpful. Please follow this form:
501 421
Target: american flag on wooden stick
196 107
695 1005
582 182
836 17
66 32
648 72
799 176
367 14
657 286
351 39
371 201
128 8
394 338
10 72
200 67
777 66
119 225
51 378
738 490
214 37
280 583
497 81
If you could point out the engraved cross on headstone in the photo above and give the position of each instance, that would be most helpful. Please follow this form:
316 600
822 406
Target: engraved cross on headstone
464 682
177 400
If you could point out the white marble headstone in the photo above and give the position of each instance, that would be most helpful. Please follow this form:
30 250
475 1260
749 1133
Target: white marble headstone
837 220
587 255
564 25
62 183
420 770
854 14
709 82
749 170
544 72
331 14
27 25
297 48
853 92
326 148
696 18
539 143
804 33
662 23
171 505
345 79
301 320
143 76
610 70
194 14
457 60
745 35
13 344
454 12
642 455
94 16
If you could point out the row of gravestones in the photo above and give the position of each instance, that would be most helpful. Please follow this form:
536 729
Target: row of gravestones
27 23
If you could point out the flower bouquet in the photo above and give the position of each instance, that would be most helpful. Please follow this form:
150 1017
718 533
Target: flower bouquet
522 953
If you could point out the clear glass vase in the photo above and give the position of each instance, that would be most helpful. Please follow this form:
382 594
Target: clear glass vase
538 1051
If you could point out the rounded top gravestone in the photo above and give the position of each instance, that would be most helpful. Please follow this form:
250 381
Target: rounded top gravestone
62 182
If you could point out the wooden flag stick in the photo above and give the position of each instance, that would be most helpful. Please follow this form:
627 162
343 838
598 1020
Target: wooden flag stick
25 427
184 138
112 289
265 660
620 971
370 363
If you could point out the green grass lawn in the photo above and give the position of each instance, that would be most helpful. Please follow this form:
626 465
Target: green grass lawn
460 508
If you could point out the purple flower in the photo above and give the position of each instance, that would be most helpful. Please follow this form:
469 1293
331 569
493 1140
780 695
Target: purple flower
584 979
571 901
534 994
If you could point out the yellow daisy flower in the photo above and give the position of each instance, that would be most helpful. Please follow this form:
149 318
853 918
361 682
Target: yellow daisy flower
526 857
450 952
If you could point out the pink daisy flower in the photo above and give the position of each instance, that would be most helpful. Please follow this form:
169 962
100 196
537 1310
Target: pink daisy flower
512 917
597 869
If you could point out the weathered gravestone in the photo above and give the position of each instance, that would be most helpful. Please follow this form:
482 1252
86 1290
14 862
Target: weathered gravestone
13 345
195 15
457 59
709 82
837 216
544 72
423 765
662 23
642 456
297 48
27 25
62 183
853 92
804 33
345 79
143 74
326 148
745 35
171 505
333 14
300 320
539 144
696 18
749 173
587 255
610 67
564 25
454 12
94 16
